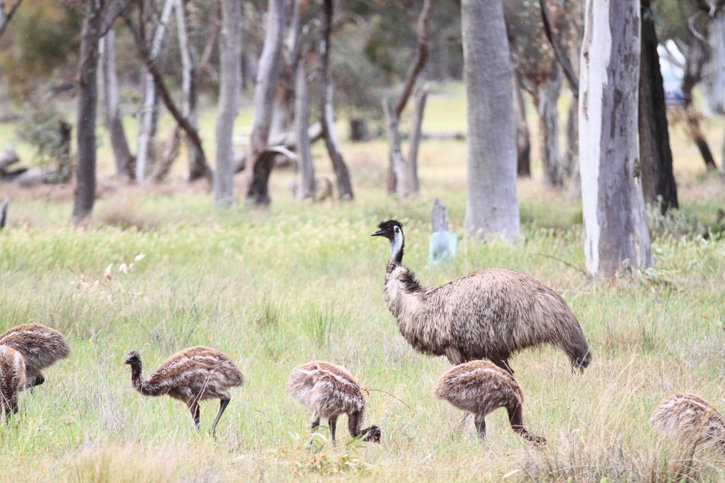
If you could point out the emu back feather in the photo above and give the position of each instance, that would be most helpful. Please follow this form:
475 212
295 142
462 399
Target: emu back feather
491 314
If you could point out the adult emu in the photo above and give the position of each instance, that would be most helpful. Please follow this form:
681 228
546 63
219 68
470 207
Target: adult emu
489 315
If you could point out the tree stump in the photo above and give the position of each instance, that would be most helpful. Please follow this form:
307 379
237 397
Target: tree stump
442 243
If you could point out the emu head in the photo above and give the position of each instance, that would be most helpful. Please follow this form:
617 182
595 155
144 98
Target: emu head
133 358
372 434
393 231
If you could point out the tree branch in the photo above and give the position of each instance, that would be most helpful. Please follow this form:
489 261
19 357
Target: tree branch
558 51
6 19
421 56
191 133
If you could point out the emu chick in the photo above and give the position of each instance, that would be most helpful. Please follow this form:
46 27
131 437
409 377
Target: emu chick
480 387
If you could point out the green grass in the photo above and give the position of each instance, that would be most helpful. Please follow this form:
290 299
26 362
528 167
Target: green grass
275 288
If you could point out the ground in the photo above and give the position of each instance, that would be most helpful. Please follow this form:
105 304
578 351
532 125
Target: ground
275 288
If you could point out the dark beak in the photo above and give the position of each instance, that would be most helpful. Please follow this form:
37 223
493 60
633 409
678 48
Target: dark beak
379 232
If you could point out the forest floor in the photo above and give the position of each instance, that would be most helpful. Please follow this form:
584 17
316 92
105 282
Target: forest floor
275 288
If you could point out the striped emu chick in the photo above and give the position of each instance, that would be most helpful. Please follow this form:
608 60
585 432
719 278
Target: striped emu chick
12 379
480 387
191 376
329 390
690 420
490 315
41 347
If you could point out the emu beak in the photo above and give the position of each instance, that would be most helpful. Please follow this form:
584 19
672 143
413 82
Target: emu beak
379 232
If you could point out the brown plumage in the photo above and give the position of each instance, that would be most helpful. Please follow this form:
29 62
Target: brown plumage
41 347
690 420
191 375
491 314
12 379
480 388
329 390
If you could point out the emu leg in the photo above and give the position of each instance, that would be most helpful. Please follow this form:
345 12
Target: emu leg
503 364
223 403
480 426
333 428
517 424
195 413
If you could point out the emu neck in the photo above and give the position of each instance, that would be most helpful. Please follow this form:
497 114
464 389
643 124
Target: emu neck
354 422
402 291
397 245
137 380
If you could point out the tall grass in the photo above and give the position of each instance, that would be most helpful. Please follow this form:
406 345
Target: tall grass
275 288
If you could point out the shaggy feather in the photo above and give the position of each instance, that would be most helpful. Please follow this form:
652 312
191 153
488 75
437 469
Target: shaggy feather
40 346
690 420
328 390
480 387
489 315
12 378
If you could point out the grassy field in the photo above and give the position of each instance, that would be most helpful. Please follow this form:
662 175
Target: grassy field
275 288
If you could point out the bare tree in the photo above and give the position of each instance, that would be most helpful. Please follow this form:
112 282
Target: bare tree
491 205
259 167
658 180
523 139
5 16
147 124
230 54
615 224
342 175
306 184
87 104
114 125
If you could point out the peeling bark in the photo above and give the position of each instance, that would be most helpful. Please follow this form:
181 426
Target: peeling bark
615 224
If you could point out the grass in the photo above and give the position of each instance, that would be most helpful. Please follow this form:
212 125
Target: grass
275 288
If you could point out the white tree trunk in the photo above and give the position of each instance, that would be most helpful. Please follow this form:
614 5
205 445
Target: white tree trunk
491 205
189 106
306 184
416 134
230 59
716 81
615 225
150 103
264 91
119 144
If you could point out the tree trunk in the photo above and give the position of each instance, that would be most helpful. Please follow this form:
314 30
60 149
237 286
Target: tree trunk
421 58
658 180
523 139
491 205
306 184
121 153
546 96
416 134
269 64
694 61
189 89
342 175
615 224
572 150
147 124
230 57
87 103
716 83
